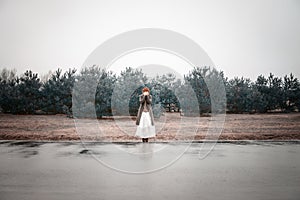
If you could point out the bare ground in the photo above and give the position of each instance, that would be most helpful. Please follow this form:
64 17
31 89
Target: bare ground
169 127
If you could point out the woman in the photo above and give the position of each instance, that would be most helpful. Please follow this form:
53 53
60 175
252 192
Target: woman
145 120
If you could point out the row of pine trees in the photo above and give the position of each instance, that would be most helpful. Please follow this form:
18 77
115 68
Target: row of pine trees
28 94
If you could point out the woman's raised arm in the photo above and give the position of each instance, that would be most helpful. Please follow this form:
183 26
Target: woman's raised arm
149 99
142 98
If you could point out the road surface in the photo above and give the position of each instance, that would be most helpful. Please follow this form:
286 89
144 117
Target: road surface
66 170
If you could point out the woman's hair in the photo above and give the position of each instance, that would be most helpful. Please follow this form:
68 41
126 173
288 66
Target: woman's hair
145 89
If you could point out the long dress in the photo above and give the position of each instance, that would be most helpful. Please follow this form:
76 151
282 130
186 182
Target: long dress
145 129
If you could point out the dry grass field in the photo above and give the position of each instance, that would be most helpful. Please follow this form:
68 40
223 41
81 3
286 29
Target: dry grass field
279 126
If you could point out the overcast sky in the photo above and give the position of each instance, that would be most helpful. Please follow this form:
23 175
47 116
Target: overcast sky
243 38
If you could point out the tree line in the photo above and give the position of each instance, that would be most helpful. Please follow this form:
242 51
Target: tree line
28 94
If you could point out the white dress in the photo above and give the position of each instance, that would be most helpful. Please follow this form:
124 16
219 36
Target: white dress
145 129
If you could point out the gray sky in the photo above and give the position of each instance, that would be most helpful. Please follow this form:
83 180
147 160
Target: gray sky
243 38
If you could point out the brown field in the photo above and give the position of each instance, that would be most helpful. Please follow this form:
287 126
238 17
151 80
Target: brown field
236 127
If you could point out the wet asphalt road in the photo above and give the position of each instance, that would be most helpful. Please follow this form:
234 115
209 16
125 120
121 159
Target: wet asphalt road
65 170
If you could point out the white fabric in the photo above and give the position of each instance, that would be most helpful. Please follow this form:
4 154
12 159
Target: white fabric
145 129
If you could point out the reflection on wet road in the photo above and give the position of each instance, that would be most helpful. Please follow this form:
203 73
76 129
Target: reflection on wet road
66 170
